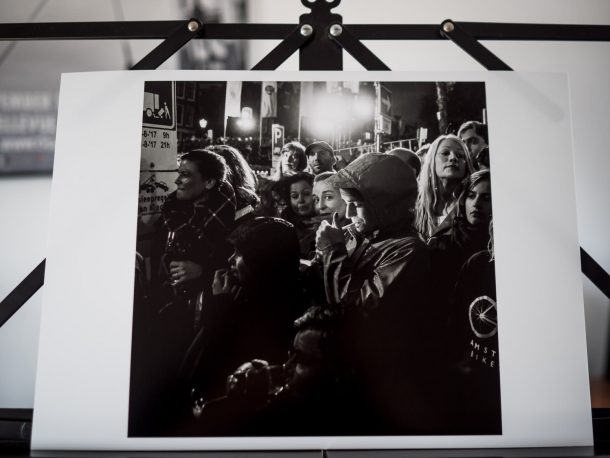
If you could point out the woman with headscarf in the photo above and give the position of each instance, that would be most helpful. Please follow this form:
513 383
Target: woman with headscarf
447 163
242 178
195 221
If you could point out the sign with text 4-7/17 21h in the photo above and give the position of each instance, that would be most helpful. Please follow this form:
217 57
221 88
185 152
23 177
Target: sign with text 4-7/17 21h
159 139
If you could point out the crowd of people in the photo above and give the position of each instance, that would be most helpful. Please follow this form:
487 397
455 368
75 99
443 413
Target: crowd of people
326 300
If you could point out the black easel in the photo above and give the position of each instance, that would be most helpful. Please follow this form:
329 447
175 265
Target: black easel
320 37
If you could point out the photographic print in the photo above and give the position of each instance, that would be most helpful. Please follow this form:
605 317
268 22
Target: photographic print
308 261
314 258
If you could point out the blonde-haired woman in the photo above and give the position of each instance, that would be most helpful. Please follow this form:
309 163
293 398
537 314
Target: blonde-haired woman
447 163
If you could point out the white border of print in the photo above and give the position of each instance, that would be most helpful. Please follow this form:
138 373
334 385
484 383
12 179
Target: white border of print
82 386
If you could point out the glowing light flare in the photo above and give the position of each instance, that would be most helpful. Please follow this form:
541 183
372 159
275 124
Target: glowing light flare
245 123
332 113
246 113
320 127
364 107
330 110
339 109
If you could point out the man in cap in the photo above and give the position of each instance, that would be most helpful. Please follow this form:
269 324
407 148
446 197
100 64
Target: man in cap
320 157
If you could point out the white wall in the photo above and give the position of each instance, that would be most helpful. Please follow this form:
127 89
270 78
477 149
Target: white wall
24 201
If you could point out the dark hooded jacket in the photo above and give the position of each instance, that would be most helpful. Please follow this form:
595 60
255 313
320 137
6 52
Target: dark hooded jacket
378 324
450 248
389 189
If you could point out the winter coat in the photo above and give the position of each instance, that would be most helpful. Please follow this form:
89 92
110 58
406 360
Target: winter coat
378 324
202 226
449 248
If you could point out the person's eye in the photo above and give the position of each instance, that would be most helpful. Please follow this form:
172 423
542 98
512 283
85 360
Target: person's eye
294 196
316 199
471 195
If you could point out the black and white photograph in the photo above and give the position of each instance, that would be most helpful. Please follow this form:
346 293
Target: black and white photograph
307 261
314 258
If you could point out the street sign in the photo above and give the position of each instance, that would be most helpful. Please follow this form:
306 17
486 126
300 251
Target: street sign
159 104
159 149
384 101
383 124
277 142
277 136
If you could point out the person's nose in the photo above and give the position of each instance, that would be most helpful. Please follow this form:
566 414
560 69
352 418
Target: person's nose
452 156
177 180
476 203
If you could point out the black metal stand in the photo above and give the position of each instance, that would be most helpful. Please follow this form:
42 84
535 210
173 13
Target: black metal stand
320 37
457 34
175 40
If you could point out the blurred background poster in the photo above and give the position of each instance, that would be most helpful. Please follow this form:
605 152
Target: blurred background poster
28 103
214 54
27 130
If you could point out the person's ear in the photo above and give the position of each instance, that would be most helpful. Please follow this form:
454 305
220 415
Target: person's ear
209 184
